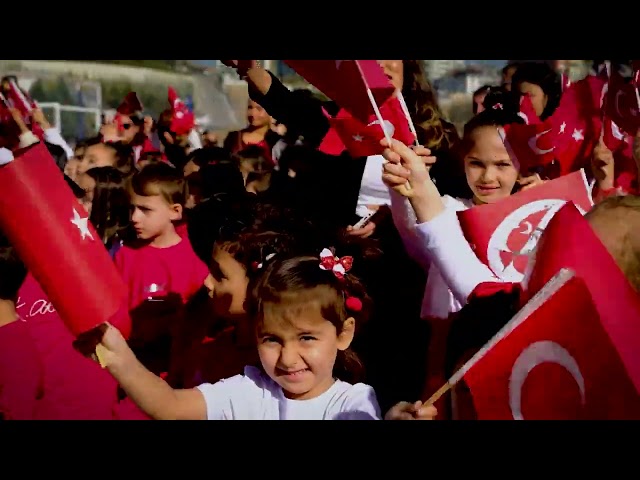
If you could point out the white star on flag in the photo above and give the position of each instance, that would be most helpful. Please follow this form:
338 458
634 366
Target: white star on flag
563 126
577 135
82 224
338 63
357 138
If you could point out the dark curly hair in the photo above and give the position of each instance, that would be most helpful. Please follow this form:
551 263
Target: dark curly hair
433 131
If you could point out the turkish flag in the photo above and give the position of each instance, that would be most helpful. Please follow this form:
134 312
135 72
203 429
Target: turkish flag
504 234
569 242
51 232
576 122
346 82
19 99
331 144
527 112
183 120
363 140
557 361
621 103
530 146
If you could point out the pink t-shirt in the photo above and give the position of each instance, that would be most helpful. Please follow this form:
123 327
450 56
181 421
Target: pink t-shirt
74 387
21 373
149 271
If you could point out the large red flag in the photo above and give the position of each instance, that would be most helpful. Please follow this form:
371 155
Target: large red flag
570 242
556 360
51 232
504 234
346 82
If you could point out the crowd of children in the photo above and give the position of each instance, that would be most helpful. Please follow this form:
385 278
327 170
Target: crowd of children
268 279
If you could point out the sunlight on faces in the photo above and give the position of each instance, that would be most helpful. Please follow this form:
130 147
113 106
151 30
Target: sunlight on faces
88 184
152 215
536 94
490 172
298 347
394 70
227 284
99 155
257 116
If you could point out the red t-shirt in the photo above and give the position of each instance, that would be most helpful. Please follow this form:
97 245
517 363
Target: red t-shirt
149 271
21 373
73 387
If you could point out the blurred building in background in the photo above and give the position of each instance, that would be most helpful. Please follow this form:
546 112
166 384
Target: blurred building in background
76 94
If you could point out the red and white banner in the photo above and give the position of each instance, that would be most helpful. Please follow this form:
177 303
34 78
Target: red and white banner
504 234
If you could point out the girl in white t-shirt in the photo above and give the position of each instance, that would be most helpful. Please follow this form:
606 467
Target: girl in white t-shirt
428 222
305 311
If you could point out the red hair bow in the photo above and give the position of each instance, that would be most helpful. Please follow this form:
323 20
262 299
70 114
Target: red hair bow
339 266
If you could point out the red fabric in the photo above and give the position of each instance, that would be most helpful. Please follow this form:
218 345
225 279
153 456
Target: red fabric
175 269
530 146
130 105
182 120
503 234
559 364
346 82
68 259
182 230
576 123
73 387
489 289
621 104
21 372
363 139
17 98
527 112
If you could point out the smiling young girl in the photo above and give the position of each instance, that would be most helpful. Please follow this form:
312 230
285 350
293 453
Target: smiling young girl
304 312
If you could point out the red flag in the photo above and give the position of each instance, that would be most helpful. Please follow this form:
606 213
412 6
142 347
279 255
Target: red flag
131 105
51 233
529 145
585 254
504 234
556 360
576 123
621 103
183 119
362 140
19 99
527 112
346 82
331 143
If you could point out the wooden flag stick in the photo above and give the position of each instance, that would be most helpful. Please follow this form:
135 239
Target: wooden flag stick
407 115
551 287
405 189
439 393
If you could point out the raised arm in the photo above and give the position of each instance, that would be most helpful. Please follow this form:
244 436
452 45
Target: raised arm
304 117
152 394
438 235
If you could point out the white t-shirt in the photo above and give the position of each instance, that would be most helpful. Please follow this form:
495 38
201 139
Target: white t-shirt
373 191
254 396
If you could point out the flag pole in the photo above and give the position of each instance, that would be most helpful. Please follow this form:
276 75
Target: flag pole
407 115
551 287
406 188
